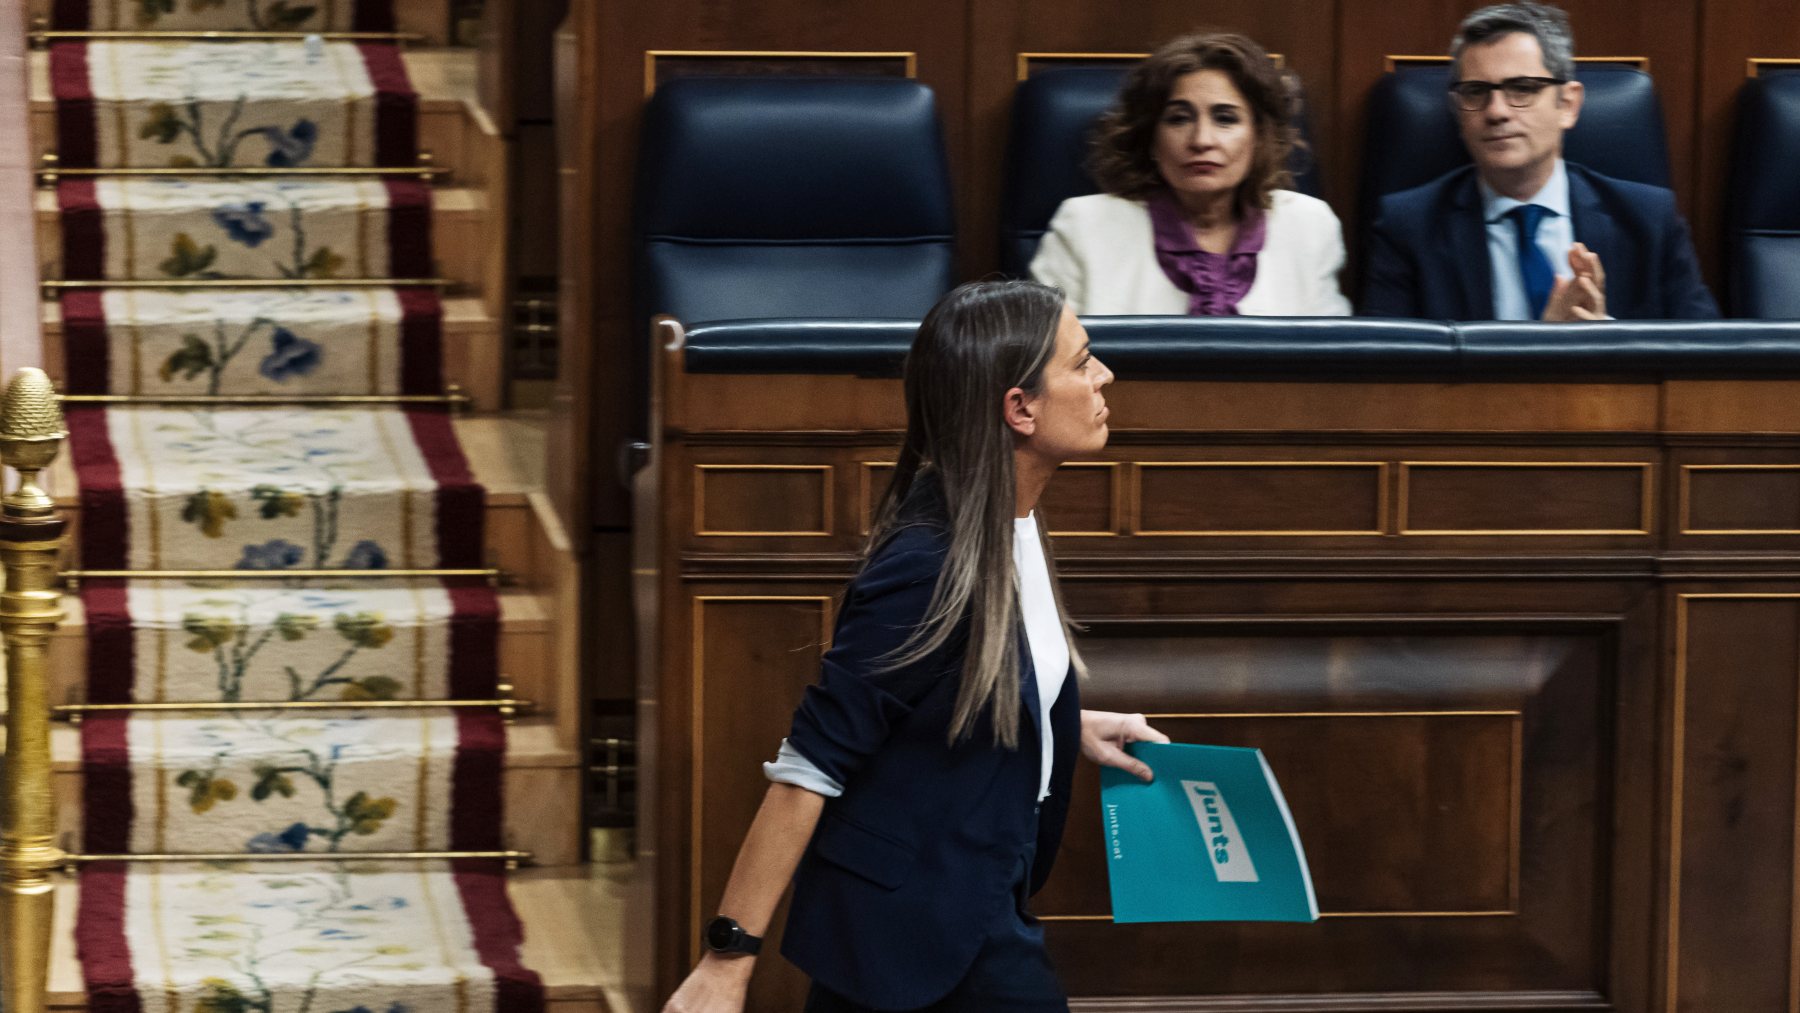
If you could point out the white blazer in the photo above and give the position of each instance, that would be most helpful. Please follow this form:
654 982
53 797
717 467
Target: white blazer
1101 252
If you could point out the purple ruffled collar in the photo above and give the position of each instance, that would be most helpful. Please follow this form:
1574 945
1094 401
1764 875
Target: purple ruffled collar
1214 282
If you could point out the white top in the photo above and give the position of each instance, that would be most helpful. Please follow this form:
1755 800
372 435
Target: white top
1043 631
1555 234
1101 251
1049 657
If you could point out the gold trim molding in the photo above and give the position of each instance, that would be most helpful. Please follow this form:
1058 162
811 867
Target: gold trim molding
1134 523
826 500
1684 498
1646 500
911 59
1754 66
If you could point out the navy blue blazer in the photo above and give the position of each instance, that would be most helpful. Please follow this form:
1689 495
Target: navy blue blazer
1428 253
911 867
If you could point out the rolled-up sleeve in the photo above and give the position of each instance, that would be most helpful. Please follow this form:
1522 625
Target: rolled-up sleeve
861 695
790 767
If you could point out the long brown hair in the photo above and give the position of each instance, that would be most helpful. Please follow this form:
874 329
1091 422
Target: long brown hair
978 342
1122 159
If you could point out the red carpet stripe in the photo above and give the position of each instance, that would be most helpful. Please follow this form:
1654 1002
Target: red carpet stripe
77 134
421 341
111 647
476 798
87 351
396 106
105 527
100 940
409 228
474 639
460 499
83 230
498 936
106 811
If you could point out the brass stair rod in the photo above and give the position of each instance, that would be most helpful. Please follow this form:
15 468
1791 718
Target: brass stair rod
489 574
74 710
31 434
54 285
511 857
46 35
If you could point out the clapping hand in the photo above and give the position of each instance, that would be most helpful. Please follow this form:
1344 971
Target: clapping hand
1104 736
1583 296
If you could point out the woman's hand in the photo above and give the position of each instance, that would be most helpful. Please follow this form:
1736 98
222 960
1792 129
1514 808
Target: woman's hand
715 985
1105 734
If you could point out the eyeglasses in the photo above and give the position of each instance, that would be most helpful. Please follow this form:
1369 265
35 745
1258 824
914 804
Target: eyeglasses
1520 92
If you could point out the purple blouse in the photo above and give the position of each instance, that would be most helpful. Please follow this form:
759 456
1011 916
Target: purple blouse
1214 282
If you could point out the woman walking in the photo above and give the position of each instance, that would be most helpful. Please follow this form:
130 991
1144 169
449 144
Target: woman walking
920 796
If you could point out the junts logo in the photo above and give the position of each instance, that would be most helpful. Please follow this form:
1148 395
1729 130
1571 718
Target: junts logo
1224 845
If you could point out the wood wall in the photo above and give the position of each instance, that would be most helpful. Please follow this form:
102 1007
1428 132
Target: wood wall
966 51
1523 655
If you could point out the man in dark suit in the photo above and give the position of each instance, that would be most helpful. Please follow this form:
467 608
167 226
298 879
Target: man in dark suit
1521 234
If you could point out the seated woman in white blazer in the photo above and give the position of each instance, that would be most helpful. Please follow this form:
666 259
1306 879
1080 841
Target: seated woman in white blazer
1193 221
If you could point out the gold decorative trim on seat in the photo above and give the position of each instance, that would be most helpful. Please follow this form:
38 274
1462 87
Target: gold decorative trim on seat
911 59
1022 63
1753 67
1392 61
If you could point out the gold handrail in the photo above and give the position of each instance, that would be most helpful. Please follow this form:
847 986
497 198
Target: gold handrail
513 859
507 706
52 286
31 434
51 170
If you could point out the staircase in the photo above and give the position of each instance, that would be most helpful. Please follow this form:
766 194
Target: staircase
339 454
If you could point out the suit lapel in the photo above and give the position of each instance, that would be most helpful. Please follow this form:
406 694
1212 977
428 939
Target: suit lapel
1593 227
1467 235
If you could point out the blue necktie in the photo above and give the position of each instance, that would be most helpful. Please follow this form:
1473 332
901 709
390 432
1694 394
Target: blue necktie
1534 267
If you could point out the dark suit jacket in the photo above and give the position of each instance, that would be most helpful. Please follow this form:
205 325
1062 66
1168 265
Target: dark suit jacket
1428 253
911 867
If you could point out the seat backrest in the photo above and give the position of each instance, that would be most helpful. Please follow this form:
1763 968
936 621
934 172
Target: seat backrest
767 196
1762 231
1053 117
1413 138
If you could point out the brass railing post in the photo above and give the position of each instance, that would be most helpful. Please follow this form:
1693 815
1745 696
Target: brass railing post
31 434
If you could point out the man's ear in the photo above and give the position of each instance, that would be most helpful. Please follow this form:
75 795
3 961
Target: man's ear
1020 417
1572 96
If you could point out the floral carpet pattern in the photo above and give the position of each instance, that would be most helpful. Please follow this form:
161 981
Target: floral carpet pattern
273 487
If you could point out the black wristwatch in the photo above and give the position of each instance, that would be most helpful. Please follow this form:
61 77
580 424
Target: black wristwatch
725 935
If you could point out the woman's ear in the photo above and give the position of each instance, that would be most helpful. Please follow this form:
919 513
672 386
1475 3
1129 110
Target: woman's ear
1018 413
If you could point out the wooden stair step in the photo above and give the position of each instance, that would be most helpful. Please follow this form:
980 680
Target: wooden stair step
505 452
526 649
542 781
460 224
574 936
471 345
453 128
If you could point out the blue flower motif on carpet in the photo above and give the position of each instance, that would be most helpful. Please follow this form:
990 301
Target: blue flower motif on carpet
244 223
292 356
291 147
366 555
291 839
275 554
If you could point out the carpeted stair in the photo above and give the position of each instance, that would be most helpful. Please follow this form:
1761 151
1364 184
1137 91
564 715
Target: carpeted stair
185 487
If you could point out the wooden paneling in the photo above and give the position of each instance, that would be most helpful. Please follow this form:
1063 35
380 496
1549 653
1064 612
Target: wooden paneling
1525 498
1732 885
1739 499
763 499
1267 498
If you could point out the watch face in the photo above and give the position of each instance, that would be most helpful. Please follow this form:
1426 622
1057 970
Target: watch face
721 933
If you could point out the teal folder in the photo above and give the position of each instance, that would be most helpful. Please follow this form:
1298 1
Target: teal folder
1210 840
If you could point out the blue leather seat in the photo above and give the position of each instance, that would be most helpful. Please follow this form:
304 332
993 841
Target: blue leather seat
1763 220
1053 117
772 196
1412 134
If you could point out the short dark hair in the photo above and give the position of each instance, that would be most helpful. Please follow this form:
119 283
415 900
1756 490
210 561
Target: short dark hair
1122 161
1543 22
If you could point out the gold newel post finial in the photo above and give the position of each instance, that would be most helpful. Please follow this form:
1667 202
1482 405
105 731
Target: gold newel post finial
31 435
